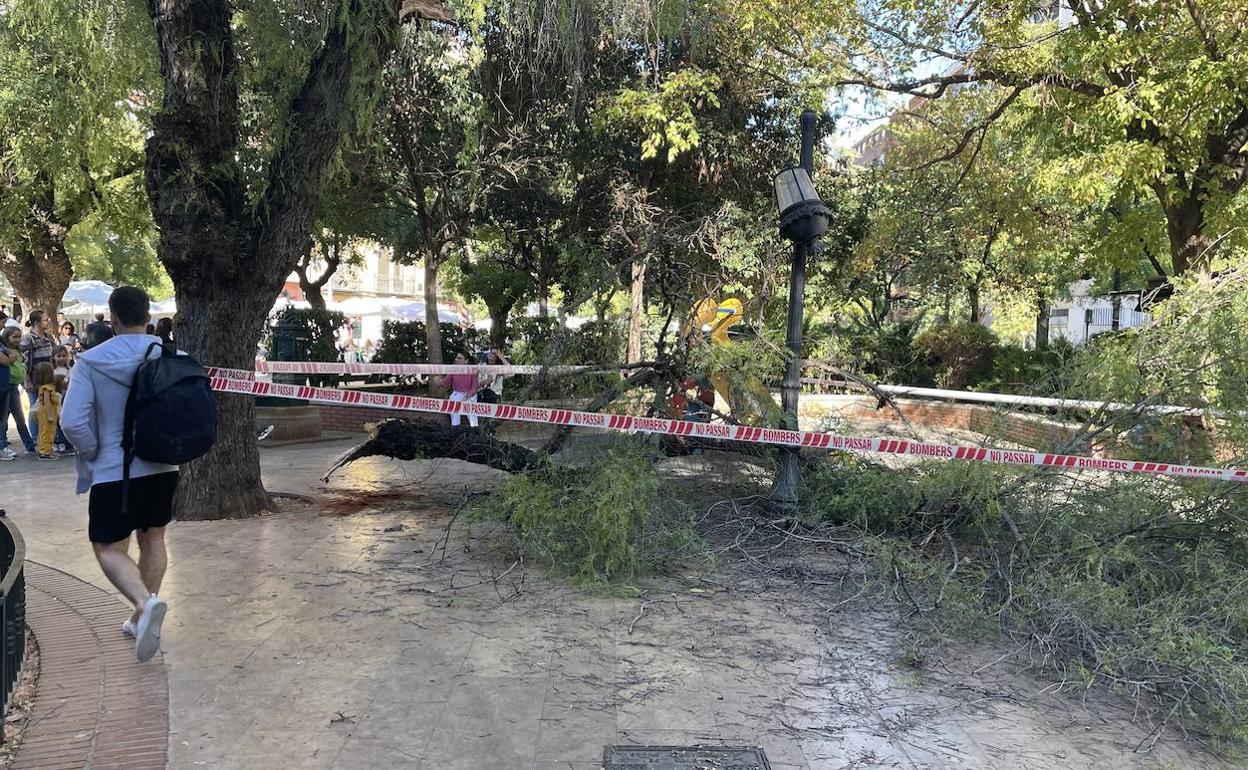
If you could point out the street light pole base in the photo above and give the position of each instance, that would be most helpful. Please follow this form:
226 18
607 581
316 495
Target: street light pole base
784 490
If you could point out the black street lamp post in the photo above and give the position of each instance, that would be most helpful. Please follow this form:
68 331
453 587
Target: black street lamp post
803 218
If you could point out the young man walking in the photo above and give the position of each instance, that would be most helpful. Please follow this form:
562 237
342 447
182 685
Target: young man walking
92 418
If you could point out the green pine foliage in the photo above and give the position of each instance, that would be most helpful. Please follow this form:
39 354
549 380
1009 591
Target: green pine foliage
601 523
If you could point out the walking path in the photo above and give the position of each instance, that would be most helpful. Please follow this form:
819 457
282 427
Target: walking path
343 635
95 706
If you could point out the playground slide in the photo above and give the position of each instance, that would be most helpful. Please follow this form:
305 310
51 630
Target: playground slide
749 401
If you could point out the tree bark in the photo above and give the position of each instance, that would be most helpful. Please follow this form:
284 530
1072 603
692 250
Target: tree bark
972 299
636 311
433 332
228 256
543 280
225 483
39 276
40 271
421 439
498 324
1185 228
1042 321
312 287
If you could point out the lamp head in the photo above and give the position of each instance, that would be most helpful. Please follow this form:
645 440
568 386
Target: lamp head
803 217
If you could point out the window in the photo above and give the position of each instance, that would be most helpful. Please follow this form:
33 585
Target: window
1059 319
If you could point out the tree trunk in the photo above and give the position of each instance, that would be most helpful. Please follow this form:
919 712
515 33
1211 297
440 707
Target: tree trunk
636 311
225 483
312 293
228 256
543 280
433 333
972 299
498 324
1042 321
1185 227
41 274
418 439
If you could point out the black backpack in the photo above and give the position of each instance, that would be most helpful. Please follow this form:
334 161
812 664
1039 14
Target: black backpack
171 413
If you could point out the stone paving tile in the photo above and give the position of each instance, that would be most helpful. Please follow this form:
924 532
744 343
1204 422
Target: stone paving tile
95 706
489 717
565 732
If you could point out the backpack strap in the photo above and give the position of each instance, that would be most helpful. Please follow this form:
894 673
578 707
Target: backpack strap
127 430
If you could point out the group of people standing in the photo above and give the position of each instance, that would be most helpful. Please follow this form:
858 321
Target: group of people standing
467 387
36 360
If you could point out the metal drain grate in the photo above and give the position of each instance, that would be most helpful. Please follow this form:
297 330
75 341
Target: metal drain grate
684 758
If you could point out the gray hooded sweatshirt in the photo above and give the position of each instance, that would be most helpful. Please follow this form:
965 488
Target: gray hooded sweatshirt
94 410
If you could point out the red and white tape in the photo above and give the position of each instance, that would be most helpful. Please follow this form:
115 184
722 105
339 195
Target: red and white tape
321 367
244 382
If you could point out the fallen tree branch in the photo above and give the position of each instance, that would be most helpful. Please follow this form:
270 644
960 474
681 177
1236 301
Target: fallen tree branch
420 439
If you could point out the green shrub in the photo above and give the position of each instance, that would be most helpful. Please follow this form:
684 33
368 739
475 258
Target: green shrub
1047 371
403 342
314 340
602 523
857 492
1131 583
885 353
959 353
529 339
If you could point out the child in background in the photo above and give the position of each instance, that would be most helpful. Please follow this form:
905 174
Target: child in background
62 360
48 408
10 396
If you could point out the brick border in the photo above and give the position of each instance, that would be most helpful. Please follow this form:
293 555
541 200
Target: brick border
95 706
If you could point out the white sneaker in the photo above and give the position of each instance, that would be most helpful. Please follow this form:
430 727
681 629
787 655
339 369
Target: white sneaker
128 629
7 454
147 631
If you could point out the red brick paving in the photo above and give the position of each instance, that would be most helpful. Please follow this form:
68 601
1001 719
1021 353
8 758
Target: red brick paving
95 706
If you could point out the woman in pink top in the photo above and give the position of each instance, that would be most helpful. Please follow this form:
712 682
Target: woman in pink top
463 388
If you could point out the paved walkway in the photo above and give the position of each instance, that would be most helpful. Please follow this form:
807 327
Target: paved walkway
343 636
95 706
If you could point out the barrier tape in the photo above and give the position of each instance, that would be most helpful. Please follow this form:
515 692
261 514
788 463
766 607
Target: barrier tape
321 367
244 383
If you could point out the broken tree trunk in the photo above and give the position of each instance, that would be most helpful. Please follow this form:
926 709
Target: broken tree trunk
423 439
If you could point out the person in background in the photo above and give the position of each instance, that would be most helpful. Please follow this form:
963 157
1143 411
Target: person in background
47 408
36 348
98 332
344 341
463 388
12 374
164 330
69 338
62 361
370 350
493 392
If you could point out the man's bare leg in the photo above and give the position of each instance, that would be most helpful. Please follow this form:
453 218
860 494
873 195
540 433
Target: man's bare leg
153 560
122 572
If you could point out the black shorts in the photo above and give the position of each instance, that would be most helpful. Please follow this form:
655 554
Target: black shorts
151 505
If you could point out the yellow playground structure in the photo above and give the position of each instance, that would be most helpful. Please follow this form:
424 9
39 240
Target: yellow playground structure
748 401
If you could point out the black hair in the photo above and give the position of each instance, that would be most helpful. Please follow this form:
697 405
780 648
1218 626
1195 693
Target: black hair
131 305
35 317
99 316
72 329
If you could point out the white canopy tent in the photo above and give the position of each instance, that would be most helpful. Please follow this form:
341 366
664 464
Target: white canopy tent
87 292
